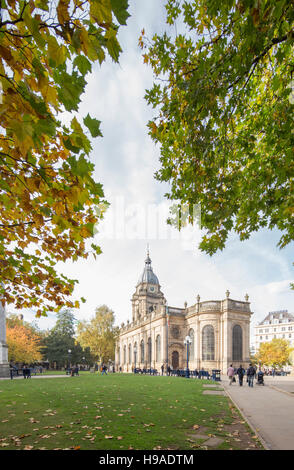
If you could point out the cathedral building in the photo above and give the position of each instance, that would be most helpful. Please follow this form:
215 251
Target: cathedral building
219 331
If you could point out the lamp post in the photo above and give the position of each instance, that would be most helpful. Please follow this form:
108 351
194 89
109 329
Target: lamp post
135 356
187 342
69 353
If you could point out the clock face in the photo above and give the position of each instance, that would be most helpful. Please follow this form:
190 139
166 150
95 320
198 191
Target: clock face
151 289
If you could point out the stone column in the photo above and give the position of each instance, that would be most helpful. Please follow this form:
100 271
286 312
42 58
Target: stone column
4 364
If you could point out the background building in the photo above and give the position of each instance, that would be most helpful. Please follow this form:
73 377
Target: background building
219 331
277 324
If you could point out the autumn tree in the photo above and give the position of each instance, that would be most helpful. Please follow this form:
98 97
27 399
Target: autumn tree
223 96
49 200
99 334
275 353
23 340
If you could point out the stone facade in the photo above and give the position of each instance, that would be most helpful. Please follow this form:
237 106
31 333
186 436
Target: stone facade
219 331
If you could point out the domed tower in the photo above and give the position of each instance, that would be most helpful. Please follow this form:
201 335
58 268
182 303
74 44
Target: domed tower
148 296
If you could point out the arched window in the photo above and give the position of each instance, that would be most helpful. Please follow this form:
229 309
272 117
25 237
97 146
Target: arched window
130 354
135 351
208 343
158 348
149 351
237 343
192 345
118 354
142 351
125 354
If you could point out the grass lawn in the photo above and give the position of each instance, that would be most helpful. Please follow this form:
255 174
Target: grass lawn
118 411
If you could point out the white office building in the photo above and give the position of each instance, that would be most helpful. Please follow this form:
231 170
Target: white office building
278 324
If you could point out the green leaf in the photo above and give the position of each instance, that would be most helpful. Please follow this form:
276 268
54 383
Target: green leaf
100 10
119 8
93 125
80 167
33 26
83 64
70 89
112 44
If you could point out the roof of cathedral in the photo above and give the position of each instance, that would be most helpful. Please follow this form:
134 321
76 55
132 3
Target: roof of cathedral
148 275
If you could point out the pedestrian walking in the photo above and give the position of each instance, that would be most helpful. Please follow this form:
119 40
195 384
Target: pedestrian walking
231 373
162 369
240 373
251 372
104 370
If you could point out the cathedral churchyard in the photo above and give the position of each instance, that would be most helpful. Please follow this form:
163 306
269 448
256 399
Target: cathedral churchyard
119 411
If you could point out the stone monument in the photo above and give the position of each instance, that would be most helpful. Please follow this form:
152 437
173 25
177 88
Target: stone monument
4 364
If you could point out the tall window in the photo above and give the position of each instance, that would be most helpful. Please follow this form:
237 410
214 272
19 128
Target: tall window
192 345
208 343
142 351
130 354
118 354
237 343
158 348
125 354
149 351
135 353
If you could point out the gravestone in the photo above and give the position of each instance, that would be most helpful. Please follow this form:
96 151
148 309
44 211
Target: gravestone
4 364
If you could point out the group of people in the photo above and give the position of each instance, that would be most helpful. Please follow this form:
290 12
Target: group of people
145 371
240 372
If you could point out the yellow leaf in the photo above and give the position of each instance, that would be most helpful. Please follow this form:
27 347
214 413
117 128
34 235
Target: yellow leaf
62 11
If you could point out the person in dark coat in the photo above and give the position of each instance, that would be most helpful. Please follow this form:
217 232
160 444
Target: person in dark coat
251 372
240 373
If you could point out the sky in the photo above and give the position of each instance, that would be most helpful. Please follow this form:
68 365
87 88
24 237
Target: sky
125 162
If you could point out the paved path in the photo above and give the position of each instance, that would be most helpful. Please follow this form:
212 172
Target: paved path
268 409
